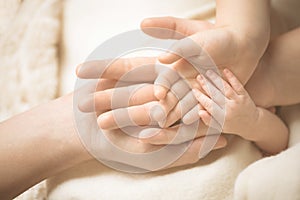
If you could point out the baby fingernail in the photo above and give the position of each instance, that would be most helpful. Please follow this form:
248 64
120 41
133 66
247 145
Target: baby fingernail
195 92
210 73
199 78
162 123
157 113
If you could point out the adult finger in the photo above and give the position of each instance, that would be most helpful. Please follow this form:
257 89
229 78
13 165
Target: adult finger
114 98
185 69
183 48
130 116
195 152
166 77
104 84
199 49
143 68
129 146
157 27
177 134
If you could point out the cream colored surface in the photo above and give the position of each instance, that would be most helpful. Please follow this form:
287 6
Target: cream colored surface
211 178
93 23
89 23
29 34
28 68
276 177
28 54
85 27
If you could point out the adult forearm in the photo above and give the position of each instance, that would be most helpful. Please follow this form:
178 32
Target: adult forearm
277 76
38 144
284 68
249 24
247 17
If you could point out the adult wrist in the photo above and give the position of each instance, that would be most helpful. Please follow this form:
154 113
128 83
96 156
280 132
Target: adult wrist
65 131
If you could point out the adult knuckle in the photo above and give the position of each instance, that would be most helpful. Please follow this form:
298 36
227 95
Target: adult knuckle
242 98
127 65
134 99
206 103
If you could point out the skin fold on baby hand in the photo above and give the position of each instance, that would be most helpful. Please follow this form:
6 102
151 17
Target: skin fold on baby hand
231 100
233 111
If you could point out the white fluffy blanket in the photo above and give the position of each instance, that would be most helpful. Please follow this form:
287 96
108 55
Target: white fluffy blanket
276 177
28 66
29 33
28 54
212 178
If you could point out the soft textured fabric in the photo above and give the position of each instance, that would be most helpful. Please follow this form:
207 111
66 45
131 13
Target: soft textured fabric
29 33
86 24
94 23
212 178
276 177
28 53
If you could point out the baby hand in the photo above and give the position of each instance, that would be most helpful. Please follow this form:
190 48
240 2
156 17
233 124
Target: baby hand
229 107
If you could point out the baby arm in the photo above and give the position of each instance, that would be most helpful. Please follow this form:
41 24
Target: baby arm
241 116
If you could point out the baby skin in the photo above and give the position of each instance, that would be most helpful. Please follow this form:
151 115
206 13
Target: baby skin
231 110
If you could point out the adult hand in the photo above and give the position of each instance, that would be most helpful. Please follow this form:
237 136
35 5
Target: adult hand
204 45
142 93
124 149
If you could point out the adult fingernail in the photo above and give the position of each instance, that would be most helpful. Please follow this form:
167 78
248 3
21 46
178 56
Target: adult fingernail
103 121
147 133
163 56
